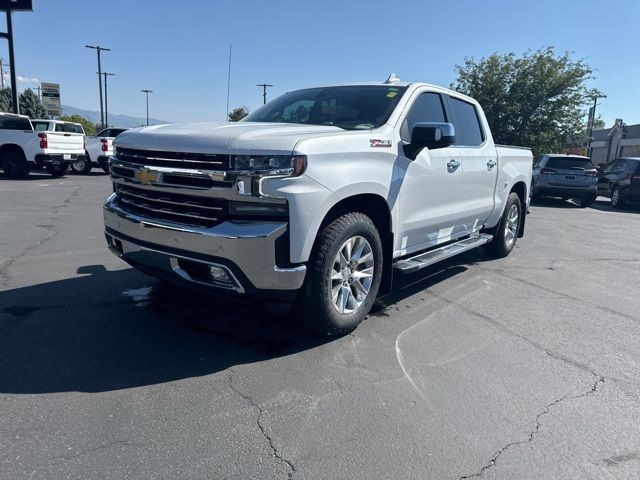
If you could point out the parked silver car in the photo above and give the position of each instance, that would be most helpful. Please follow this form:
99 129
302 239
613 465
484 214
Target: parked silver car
565 176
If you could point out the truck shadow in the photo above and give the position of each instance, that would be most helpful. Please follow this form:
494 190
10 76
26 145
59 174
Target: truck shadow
111 330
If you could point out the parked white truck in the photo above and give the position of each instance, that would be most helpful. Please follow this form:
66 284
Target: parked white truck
21 147
100 148
318 197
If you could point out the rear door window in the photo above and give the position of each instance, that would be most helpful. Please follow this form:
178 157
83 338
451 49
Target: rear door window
570 163
466 123
40 126
427 107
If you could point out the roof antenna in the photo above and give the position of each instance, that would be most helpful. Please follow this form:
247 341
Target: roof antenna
392 79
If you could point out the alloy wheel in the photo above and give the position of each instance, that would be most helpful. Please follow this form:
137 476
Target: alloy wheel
352 275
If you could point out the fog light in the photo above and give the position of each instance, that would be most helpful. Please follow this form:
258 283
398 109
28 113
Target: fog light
219 274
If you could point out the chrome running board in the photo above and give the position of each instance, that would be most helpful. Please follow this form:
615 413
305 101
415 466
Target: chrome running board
413 264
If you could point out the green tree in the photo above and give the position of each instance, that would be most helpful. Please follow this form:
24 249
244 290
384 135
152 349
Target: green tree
536 100
30 105
238 114
6 102
89 127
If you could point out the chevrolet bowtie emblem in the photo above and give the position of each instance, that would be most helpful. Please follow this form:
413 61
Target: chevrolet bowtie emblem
147 176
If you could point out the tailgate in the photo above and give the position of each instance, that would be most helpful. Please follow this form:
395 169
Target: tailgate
59 142
567 177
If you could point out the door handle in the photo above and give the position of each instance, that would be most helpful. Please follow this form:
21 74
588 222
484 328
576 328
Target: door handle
491 163
452 165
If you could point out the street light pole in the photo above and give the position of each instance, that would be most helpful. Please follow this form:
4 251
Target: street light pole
106 97
264 91
147 92
99 49
592 121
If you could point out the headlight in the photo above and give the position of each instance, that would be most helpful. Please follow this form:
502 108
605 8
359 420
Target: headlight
276 165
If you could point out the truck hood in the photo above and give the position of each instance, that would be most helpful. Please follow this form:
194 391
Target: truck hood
232 138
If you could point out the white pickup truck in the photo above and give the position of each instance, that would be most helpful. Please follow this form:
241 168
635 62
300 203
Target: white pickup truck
21 147
318 197
100 148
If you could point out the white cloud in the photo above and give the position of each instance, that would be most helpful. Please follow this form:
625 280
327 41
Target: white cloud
27 80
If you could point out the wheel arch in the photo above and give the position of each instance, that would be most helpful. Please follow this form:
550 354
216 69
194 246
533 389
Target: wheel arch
12 147
520 189
377 208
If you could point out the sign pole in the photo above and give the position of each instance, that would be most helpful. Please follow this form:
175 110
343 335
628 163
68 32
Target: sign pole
12 61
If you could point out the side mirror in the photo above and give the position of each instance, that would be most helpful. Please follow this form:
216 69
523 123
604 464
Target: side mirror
430 135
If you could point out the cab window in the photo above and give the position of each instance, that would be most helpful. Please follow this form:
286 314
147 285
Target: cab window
466 123
427 107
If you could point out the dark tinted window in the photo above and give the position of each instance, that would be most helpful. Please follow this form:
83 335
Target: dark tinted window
571 163
348 107
427 108
69 128
104 133
466 123
635 166
117 131
10 122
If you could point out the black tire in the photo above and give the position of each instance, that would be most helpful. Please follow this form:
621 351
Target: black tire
104 165
502 243
14 164
316 301
617 200
82 167
57 170
587 201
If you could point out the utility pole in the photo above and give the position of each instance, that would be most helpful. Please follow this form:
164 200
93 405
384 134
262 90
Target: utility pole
106 97
228 84
99 49
264 91
592 119
39 88
147 92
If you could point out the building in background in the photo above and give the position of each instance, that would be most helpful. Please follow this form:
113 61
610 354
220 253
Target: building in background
621 140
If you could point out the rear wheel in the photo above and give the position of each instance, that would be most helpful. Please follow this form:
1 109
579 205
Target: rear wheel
508 229
616 198
104 165
15 164
344 275
57 170
81 166
587 201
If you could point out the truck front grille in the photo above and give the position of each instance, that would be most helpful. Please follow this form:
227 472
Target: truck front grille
172 207
192 161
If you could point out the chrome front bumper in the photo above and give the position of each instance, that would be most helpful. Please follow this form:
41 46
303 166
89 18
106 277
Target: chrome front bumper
245 251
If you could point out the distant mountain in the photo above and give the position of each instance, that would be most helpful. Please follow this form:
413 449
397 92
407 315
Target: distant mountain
114 120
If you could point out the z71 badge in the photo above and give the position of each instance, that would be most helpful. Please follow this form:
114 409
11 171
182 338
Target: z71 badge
377 143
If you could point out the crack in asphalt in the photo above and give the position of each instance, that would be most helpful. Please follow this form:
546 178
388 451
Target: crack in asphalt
290 466
51 233
535 430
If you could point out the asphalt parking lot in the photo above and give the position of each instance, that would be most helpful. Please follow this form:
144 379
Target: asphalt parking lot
521 368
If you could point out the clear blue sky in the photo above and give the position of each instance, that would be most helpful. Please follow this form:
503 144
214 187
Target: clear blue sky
181 53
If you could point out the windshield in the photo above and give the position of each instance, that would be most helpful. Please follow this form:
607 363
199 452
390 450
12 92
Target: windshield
349 107
571 163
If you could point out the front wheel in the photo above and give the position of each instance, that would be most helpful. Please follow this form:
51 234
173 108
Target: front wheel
81 166
344 275
616 198
57 170
15 164
508 229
